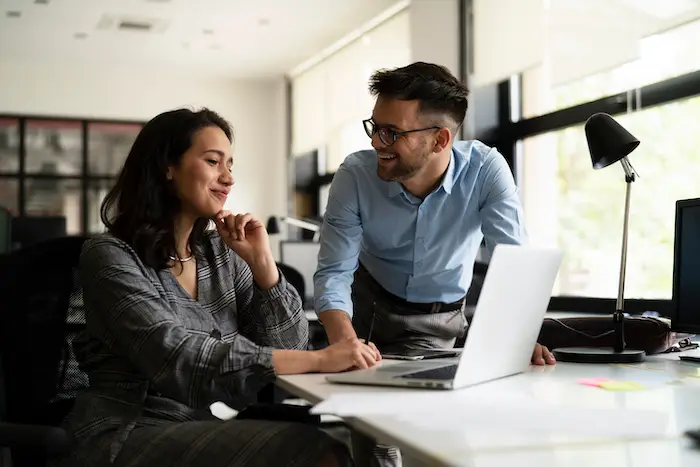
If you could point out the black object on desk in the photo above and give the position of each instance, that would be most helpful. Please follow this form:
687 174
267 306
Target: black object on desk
694 435
688 358
279 413
685 306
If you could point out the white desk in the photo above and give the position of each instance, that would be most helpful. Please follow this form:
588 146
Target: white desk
434 447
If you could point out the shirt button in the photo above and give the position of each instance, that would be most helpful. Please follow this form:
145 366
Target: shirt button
216 334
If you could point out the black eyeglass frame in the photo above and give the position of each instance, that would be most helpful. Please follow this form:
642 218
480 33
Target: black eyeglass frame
371 128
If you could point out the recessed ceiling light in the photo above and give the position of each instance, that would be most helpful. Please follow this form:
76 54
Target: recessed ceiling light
80 35
263 22
208 32
41 2
215 47
13 14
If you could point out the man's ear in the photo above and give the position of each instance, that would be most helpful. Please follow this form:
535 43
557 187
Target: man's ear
443 139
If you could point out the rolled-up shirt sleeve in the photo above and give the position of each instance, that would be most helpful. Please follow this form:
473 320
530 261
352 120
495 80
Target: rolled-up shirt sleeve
340 241
129 312
500 208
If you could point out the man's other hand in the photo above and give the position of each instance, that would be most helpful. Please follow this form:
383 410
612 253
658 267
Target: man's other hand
542 356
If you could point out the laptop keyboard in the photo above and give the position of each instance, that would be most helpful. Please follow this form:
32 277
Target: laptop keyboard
440 373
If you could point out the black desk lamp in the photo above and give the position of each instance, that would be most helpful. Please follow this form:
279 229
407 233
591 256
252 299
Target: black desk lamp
609 142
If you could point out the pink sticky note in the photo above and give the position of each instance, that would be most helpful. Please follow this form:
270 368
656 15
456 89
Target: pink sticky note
595 382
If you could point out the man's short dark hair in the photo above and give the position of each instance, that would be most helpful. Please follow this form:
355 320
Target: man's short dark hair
437 90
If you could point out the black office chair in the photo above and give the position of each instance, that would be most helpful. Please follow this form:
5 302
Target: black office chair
294 277
42 311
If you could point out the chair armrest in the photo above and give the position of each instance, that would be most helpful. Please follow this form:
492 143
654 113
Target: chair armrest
46 439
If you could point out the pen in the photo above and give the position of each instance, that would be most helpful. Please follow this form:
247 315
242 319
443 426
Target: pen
371 325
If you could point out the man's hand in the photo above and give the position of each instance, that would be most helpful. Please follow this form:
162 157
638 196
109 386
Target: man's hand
542 356
339 328
346 355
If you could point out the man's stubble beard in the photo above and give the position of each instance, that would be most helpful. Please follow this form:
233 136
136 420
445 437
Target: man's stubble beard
402 172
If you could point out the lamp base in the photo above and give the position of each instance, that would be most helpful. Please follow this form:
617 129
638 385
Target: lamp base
597 355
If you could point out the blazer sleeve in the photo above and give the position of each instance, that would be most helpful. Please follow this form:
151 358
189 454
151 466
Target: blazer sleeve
138 323
273 317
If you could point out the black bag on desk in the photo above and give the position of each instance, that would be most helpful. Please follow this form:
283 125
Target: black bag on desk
653 335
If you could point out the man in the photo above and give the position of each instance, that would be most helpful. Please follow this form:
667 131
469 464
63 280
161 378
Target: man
404 221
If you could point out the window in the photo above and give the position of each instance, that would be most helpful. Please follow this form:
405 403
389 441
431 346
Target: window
9 145
54 147
55 197
97 190
633 62
108 146
569 204
9 193
59 176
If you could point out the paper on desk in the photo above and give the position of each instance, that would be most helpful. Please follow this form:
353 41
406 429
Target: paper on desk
500 419
392 403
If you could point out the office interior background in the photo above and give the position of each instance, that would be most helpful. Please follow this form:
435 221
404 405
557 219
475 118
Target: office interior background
79 78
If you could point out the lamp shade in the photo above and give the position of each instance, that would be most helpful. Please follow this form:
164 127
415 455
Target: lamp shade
608 141
273 226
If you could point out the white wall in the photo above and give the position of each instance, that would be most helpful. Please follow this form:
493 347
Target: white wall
256 109
434 26
330 100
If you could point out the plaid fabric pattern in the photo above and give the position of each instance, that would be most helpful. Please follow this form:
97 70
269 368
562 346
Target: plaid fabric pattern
158 358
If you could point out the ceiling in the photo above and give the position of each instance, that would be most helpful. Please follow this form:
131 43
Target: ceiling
233 38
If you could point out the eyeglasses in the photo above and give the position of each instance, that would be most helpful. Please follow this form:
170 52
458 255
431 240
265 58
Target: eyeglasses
387 135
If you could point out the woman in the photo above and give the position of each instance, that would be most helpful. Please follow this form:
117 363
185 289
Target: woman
180 316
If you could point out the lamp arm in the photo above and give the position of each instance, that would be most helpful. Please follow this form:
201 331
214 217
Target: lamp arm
301 223
618 317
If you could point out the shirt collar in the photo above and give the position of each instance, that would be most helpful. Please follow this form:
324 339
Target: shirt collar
448 180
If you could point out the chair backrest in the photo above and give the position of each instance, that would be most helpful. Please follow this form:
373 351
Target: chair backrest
295 278
41 313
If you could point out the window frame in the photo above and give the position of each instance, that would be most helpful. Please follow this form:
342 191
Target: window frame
84 176
511 132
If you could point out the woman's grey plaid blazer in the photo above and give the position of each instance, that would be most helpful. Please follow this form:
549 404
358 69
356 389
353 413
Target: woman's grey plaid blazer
157 359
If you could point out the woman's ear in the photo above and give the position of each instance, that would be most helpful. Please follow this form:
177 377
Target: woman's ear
169 174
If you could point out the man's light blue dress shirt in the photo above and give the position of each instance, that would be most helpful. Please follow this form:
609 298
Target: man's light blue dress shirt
420 250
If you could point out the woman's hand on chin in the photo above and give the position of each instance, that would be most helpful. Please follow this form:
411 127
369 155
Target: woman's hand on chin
247 236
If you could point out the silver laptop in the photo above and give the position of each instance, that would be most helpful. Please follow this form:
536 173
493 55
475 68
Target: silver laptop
502 334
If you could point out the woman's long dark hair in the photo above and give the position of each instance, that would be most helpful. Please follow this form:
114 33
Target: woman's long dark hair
141 207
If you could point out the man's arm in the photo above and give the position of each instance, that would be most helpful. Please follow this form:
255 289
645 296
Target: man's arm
501 211
341 236
502 221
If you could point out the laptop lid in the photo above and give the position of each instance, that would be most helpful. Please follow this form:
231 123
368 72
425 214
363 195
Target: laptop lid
509 313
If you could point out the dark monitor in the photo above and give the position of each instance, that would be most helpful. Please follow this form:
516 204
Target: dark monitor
5 232
27 231
685 311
